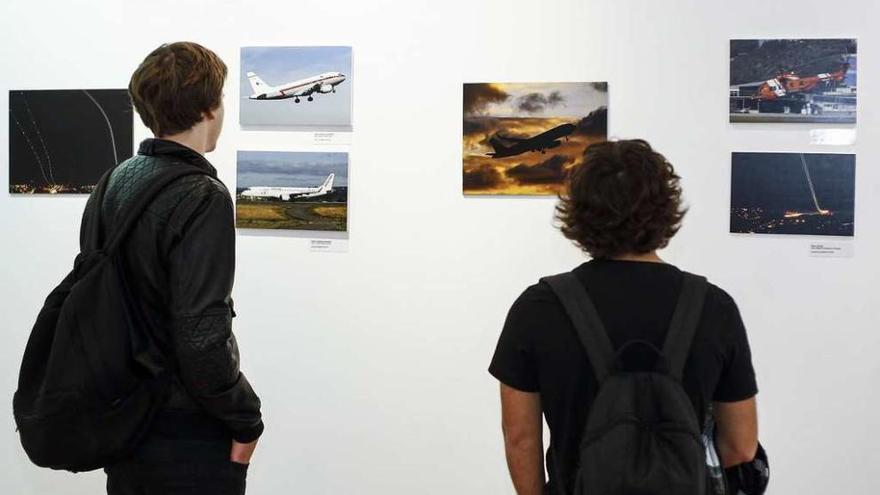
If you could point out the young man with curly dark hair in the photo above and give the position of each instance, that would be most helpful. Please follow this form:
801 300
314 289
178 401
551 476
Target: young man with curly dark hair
620 206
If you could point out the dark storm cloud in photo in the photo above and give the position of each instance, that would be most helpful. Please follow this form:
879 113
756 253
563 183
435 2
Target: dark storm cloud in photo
475 126
67 139
550 171
286 168
478 96
594 124
538 102
290 169
484 176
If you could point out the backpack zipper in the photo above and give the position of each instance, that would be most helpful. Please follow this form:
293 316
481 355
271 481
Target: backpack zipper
662 426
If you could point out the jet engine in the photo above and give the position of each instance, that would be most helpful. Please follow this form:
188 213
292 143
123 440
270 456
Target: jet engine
326 88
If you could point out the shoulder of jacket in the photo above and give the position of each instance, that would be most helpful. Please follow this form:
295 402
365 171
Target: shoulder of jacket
201 186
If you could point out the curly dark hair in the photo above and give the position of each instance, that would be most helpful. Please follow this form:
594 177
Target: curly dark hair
624 198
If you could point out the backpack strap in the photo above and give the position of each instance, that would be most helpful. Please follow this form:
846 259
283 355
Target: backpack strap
91 234
583 315
137 207
684 323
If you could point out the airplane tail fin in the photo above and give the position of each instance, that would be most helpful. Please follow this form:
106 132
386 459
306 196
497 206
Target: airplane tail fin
258 85
327 186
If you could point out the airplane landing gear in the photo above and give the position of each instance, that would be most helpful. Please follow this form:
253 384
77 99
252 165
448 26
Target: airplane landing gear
311 99
296 100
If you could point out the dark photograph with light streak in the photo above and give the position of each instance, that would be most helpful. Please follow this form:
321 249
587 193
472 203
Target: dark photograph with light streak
62 141
522 138
793 193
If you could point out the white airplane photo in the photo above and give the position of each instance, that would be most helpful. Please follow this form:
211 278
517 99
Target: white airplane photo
322 83
319 78
288 193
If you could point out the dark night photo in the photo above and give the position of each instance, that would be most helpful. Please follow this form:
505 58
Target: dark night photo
62 141
793 193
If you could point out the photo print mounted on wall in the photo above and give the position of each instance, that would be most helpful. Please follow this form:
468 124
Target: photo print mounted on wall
292 190
62 141
793 193
305 88
521 138
793 80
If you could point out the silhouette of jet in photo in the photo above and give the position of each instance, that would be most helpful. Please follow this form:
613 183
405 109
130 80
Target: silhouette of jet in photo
505 146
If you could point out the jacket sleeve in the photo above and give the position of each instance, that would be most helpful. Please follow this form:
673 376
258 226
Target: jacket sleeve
201 273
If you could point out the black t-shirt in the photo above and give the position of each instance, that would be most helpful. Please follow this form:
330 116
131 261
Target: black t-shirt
539 351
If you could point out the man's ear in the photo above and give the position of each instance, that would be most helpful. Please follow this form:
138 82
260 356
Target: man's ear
208 115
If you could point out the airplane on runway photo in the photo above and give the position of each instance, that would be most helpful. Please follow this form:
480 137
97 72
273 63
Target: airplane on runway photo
510 146
288 193
322 83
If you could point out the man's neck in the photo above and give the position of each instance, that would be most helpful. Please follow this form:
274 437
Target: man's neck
644 257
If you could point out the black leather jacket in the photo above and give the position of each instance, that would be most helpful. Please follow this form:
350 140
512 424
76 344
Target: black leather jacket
180 261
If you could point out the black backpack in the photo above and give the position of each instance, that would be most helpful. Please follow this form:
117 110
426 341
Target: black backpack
92 378
642 435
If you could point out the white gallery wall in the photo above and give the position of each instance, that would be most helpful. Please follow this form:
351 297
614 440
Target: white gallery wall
371 363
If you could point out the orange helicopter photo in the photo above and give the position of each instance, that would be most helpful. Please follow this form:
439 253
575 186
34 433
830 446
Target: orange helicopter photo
793 80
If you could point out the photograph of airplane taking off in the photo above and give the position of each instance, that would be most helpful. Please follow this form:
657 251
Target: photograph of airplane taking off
322 83
805 80
275 79
292 190
521 138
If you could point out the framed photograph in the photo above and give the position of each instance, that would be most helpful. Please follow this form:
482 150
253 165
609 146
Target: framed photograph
62 141
305 88
793 193
292 190
793 80
520 138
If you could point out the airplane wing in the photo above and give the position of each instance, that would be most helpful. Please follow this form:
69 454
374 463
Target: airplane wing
543 137
311 89
303 90
511 139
